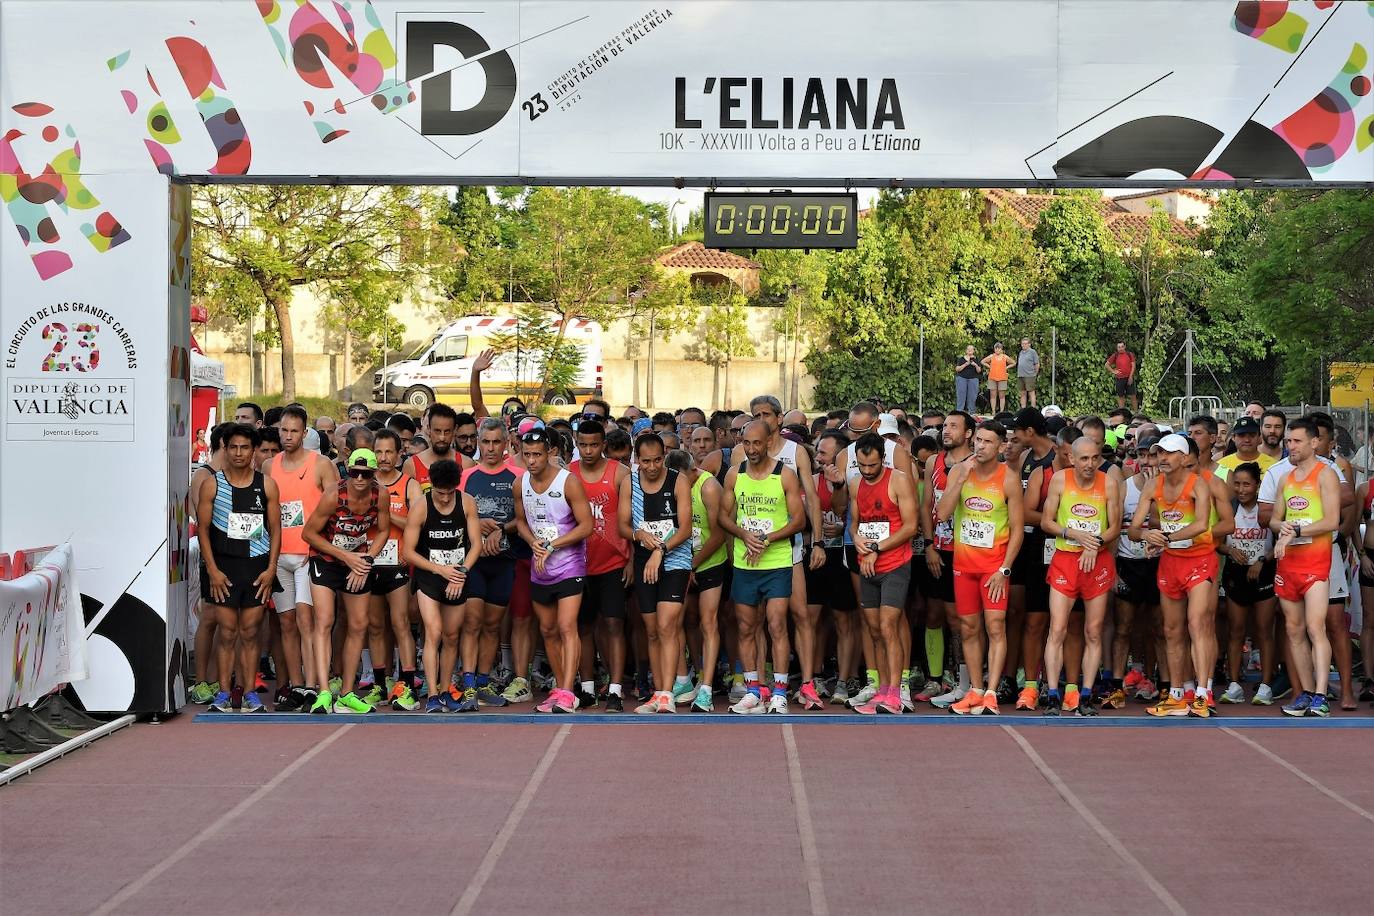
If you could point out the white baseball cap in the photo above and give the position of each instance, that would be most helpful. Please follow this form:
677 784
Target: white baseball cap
1174 443
312 440
887 425
1052 410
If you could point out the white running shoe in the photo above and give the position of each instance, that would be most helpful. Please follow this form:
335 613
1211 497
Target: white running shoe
737 688
1264 696
946 700
749 705
1234 694
862 697
778 703
907 705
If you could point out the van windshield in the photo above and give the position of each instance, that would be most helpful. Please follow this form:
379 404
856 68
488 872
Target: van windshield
424 347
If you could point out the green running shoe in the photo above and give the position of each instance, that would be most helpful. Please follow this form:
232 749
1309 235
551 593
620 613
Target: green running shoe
336 685
487 696
703 701
349 702
518 691
403 698
374 697
202 693
323 705
683 693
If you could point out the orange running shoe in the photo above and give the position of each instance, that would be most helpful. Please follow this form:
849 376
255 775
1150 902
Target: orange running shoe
1070 701
1116 699
1198 707
971 704
1132 680
1169 706
1029 698
990 703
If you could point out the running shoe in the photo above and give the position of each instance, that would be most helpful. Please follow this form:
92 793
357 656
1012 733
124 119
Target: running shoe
615 702
1264 696
1072 699
202 693
421 688
435 705
566 703
222 702
518 691
1134 678
643 691
1234 694
1029 698
1116 699
929 691
946 700
1052 703
259 685
1282 687
374 697
547 705
751 704
1367 692
825 686
402 698
1198 708
281 696
252 703
737 688
308 697
1086 709
335 685
868 709
1167 706
666 703
1300 705
542 680
889 703
291 700
351 702
840 695
683 693
502 676
1146 691
1006 688
990 704
809 698
452 702
469 700
865 695
323 705
904 697
970 704
704 702
585 700
487 696
1319 707
777 704
648 708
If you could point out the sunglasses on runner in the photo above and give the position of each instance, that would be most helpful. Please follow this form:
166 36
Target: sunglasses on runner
361 473
846 425
535 435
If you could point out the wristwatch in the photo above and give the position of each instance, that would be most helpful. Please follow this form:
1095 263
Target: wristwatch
1297 531
1005 571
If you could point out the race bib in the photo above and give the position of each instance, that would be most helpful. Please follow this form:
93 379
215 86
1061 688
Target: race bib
390 555
874 531
344 542
660 528
697 539
1170 528
1091 526
244 526
1252 548
447 557
760 526
1131 550
292 514
1049 551
545 532
976 533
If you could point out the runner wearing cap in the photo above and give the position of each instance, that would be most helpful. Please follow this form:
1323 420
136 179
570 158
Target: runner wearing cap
238 516
1179 506
983 499
1082 512
1137 585
345 537
552 515
1246 437
1304 520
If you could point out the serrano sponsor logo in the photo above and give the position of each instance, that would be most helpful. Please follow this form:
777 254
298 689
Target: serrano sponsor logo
1298 502
1172 515
1084 510
978 504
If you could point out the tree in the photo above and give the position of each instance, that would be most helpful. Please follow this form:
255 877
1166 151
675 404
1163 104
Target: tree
724 335
579 253
477 273
536 352
668 305
360 311
254 245
796 280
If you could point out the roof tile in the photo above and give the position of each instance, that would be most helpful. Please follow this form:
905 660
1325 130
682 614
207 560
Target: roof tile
696 256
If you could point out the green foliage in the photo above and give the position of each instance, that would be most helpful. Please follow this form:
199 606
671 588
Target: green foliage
472 277
537 347
724 328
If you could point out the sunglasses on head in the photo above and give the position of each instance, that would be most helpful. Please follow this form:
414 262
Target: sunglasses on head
534 435
361 473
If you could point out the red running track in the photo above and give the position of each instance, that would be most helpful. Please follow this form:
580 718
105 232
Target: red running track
572 818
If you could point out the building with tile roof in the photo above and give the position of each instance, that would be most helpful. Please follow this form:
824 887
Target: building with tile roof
710 266
1127 218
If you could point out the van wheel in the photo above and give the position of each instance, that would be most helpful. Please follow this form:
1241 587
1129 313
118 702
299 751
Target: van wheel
559 398
418 397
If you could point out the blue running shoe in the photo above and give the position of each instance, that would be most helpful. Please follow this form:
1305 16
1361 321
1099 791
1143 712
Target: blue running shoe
1319 706
1300 705
222 702
251 703
469 701
451 702
435 704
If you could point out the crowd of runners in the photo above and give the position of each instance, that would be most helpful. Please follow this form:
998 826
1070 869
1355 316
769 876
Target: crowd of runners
869 559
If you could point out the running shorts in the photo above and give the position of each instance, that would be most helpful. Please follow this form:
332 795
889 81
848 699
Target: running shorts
1067 579
755 586
1137 580
436 589
706 579
671 586
831 586
1178 575
493 578
887 589
334 576
942 588
971 592
1241 589
554 592
603 595
241 573
521 606
386 579
293 576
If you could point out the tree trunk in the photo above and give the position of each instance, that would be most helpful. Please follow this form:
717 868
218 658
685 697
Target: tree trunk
281 308
549 360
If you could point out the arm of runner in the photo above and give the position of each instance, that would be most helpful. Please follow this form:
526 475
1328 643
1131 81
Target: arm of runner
410 540
1016 516
711 500
582 512
860 545
949 500
927 503
1116 507
1049 513
796 515
903 492
1136 531
205 513
269 576
1268 492
1226 516
479 365
382 529
624 513
729 522
474 553
812 503
682 494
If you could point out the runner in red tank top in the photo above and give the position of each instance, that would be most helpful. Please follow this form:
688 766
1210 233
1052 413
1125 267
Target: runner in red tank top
884 519
608 569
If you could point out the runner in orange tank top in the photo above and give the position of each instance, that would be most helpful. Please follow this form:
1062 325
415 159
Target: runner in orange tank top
1179 507
985 502
388 623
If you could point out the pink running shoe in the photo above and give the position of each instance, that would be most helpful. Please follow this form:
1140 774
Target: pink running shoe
809 698
565 702
547 705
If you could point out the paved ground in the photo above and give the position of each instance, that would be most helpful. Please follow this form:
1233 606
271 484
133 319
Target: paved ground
572 816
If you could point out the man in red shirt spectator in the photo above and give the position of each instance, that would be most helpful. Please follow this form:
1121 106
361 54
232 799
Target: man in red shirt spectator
1122 364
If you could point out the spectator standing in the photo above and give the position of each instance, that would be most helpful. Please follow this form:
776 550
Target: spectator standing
997 362
967 371
1027 371
1123 366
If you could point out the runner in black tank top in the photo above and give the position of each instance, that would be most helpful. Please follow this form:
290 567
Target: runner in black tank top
443 540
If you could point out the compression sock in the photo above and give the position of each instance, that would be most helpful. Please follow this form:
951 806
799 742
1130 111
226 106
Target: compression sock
935 652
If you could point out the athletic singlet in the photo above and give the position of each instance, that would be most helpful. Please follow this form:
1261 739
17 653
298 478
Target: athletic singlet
238 525
939 477
980 524
787 454
1302 500
398 500
299 497
701 527
1212 515
549 516
443 538
724 469
656 513
1080 509
607 551
1126 548
1027 468
1252 539
851 472
494 493
1177 515
347 530
761 508
828 516
879 516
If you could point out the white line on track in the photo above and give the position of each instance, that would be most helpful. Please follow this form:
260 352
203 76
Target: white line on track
814 887
498 846
1329 793
1124 854
129 890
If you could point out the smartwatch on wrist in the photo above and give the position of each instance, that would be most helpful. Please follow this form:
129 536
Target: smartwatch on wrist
1005 571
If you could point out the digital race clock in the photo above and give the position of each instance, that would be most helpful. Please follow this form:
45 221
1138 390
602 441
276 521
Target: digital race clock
781 220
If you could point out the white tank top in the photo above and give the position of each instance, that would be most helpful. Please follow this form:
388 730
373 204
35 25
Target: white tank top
1125 547
851 464
1256 541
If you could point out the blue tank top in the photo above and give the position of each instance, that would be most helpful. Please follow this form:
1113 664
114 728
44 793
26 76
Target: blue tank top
657 513
238 524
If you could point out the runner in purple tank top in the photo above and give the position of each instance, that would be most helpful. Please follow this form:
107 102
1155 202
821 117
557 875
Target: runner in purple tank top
553 516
